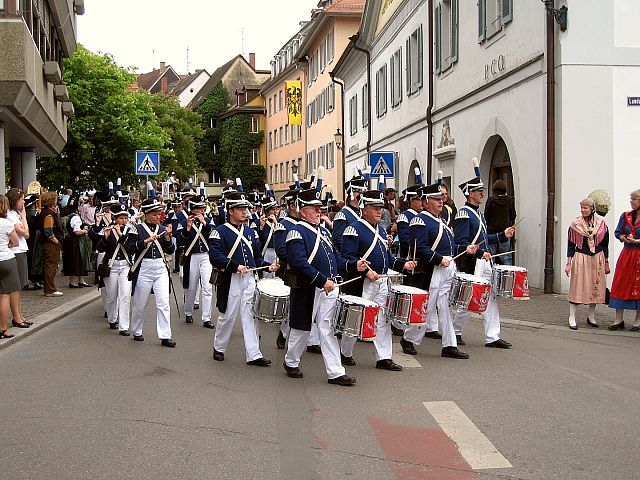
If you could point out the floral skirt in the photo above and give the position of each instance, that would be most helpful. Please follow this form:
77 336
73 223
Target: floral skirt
587 282
625 291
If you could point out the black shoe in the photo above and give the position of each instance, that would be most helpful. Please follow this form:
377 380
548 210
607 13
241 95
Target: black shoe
293 372
344 380
388 364
616 326
71 285
167 342
573 327
124 333
281 342
395 331
500 343
407 347
138 338
26 322
260 362
218 356
347 361
314 349
20 324
433 335
208 324
196 306
459 340
592 324
188 318
83 285
453 352
113 326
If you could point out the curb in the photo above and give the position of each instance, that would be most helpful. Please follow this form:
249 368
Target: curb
565 328
52 316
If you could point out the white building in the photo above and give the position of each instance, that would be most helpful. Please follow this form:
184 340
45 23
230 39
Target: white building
187 88
489 84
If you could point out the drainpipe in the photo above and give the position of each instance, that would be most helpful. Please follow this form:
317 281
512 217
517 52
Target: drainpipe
430 106
354 40
344 135
551 151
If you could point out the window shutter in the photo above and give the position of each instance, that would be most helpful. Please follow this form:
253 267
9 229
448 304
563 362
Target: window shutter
507 11
400 75
438 27
408 66
392 69
454 31
419 75
482 24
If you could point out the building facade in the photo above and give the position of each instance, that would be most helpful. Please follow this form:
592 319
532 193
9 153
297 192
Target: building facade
34 103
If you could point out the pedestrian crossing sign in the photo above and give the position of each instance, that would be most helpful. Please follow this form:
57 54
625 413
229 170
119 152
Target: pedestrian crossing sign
147 162
382 163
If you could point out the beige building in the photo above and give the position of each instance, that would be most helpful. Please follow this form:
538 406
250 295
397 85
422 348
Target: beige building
35 36
325 39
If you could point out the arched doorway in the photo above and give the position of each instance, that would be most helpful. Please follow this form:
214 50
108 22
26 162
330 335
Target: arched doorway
501 167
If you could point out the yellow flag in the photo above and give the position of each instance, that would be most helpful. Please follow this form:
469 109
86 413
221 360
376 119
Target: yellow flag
294 102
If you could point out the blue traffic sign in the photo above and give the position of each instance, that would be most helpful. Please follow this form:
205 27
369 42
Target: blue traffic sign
382 163
147 162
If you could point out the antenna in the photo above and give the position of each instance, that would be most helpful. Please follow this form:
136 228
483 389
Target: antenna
242 41
188 63
153 59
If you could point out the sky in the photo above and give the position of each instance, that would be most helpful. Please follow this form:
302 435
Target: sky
131 30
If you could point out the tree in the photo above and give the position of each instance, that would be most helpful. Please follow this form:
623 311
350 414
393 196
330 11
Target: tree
110 123
216 103
236 145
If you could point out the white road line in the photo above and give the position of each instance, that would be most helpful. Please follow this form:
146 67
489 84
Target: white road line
407 361
476 449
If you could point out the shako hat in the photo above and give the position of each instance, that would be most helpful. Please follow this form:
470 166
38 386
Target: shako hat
411 192
120 209
199 201
472 185
236 199
309 198
30 199
151 205
431 191
372 198
268 202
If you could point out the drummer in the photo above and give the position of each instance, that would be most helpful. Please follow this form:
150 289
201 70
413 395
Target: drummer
312 258
435 247
350 213
471 229
268 224
366 240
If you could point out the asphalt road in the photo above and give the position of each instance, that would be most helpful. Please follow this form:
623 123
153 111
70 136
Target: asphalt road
82 402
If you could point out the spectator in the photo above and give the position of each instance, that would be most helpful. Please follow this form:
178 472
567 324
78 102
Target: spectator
87 210
449 209
50 241
9 280
76 251
389 213
34 259
17 215
587 262
500 213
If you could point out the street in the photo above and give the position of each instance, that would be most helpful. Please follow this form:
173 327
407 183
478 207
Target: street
83 402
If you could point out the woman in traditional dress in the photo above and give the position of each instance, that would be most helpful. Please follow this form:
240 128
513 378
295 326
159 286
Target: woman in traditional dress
625 291
76 251
587 262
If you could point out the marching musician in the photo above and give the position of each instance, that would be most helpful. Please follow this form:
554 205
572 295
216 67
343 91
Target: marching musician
222 211
150 242
435 246
350 213
172 219
312 257
193 237
365 240
471 229
235 250
111 243
268 223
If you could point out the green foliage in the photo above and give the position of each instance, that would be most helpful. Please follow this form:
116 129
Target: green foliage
236 144
216 103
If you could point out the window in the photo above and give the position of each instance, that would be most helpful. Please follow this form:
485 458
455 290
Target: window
270 106
281 139
396 78
353 114
446 32
255 125
1 5
330 155
286 134
294 130
492 16
316 62
331 97
287 170
270 142
381 91
215 177
255 156
271 179
330 46
323 55
275 138
275 174
313 160
414 61
299 132
280 100
282 172
365 105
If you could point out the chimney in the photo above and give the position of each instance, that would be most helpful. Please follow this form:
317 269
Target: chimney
252 60
162 64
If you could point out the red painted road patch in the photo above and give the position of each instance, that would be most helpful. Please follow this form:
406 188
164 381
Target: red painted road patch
420 453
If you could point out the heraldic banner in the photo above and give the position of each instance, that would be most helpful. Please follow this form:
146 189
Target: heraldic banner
294 102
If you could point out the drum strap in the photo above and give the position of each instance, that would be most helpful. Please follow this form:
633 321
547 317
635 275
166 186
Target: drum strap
266 244
316 246
440 231
195 240
480 228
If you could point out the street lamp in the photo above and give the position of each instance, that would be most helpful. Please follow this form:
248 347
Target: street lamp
338 138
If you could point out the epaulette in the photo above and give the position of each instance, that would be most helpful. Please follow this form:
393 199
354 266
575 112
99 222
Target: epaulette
350 231
340 216
279 228
462 214
214 234
294 235
402 218
417 221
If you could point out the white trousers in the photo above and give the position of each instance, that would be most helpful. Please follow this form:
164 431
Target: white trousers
378 292
199 275
118 288
153 274
438 306
323 308
491 316
240 301
313 337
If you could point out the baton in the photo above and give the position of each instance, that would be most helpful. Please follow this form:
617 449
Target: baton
460 254
503 253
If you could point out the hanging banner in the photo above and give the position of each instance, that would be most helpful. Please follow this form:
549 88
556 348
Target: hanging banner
294 102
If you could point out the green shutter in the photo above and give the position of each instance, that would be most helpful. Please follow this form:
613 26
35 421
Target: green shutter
507 11
438 26
454 31
482 34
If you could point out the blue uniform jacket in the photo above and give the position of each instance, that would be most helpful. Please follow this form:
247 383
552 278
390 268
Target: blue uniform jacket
348 215
403 222
424 231
184 238
470 225
266 235
134 244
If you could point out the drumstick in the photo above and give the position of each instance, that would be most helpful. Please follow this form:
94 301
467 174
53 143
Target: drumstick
415 247
504 253
460 254
338 285
514 225
258 268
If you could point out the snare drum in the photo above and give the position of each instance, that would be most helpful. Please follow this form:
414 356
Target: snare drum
469 292
407 305
394 278
356 317
510 282
271 301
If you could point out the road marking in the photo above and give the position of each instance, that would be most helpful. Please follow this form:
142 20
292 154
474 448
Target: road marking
407 361
476 449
